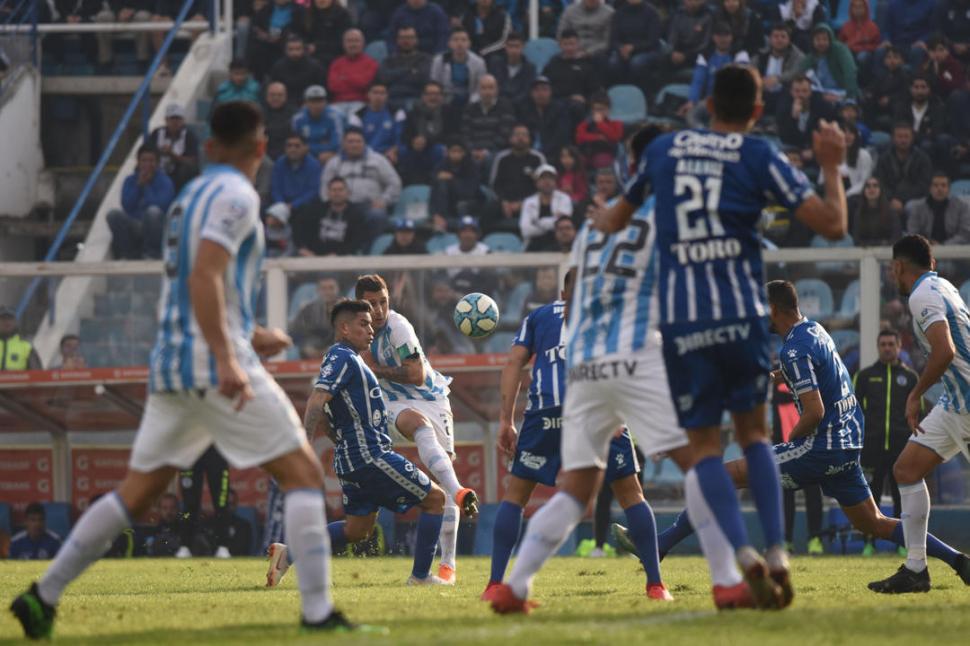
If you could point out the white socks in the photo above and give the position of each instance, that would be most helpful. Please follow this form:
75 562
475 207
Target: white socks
715 545
87 542
915 516
449 534
309 544
547 531
437 460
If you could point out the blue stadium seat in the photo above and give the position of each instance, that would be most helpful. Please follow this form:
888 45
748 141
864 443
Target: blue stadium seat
668 473
5 518
440 242
502 241
879 140
841 15
500 342
58 518
850 301
538 51
965 292
628 104
814 298
249 514
413 203
845 340
515 304
381 243
305 293
376 50
961 188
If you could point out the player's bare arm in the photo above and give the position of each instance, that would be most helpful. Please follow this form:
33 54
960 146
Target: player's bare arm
315 418
268 342
610 219
208 294
509 388
411 371
942 351
828 215
813 410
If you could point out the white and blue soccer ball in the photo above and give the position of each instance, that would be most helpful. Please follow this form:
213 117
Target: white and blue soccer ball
476 315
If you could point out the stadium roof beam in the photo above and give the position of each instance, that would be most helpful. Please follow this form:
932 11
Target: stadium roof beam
117 398
42 421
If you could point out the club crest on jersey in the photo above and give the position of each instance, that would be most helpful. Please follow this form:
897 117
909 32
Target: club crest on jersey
326 370
532 461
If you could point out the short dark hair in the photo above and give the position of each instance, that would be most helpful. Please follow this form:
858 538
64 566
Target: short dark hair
369 283
782 295
601 98
737 90
891 49
780 26
336 180
902 125
939 172
640 140
348 307
354 130
35 509
568 33
569 279
516 36
919 76
376 83
68 337
936 40
293 134
888 332
147 148
427 84
721 28
238 64
914 249
294 38
800 78
457 30
235 122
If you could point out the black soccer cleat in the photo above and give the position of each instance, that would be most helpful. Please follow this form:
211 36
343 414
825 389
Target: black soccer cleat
337 623
36 616
904 581
622 536
467 501
962 568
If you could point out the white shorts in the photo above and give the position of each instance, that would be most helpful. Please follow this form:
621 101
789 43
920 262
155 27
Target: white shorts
178 427
947 433
438 413
617 390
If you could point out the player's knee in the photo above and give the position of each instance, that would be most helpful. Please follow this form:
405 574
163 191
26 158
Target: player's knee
627 491
354 533
410 421
905 473
434 502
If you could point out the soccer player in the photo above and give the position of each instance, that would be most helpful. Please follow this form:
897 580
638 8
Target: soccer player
710 187
615 378
207 385
826 443
535 452
348 407
942 326
418 407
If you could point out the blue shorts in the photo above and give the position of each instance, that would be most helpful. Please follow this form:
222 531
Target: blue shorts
537 455
838 473
716 366
391 481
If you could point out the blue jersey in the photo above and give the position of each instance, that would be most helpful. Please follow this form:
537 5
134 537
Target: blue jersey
809 361
710 189
542 334
615 300
356 412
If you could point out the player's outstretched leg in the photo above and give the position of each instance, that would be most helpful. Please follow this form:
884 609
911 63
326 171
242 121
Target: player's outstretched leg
426 543
642 532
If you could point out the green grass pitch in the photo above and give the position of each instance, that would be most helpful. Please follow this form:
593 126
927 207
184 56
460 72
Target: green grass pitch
601 601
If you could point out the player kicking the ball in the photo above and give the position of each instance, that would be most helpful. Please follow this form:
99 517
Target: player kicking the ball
207 385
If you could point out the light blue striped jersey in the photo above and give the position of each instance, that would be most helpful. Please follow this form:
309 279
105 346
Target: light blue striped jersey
809 361
543 334
394 343
934 299
356 412
222 206
614 306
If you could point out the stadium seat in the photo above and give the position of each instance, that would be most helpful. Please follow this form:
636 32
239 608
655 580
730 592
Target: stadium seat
305 293
538 51
670 98
440 242
818 242
879 140
5 518
845 340
381 243
668 473
502 241
628 104
500 342
249 514
58 518
376 50
961 188
965 292
516 303
841 15
814 298
413 203
850 301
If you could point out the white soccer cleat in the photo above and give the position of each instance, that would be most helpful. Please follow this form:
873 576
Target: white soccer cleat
278 564
428 580
183 553
222 552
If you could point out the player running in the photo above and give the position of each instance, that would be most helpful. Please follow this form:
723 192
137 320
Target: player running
535 452
710 187
207 385
418 407
826 442
616 377
347 406
942 326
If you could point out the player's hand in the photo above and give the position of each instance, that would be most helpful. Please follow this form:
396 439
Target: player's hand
270 341
233 382
777 377
913 409
828 142
508 436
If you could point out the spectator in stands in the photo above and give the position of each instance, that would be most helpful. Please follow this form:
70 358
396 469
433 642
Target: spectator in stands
635 49
239 531
35 542
178 147
277 231
927 114
798 115
166 534
938 217
455 189
351 74
779 64
873 222
326 23
858 164
943 70
688 34
605 188
565 233
598 136
296 174
310 328
16 352
429 21
952 20
69 354
297 71
488 26
591 20
277 119
263 182
907 25
270 29
487 122
469 241
334 227
860 33
721 53
747 27
573 178
374 17
801 16
136 229
904 171
240 86
546 288
168 10
831 65
424 133
513 178
319 125
373 182
890 83
511 70
124 11
849 113
405 242
541 211
458 70
382 127
444 336
572 74
406 70
549 121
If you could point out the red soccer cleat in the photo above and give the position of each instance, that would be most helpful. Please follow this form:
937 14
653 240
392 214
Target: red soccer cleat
733 597
504 601
447 574
487 593
658 592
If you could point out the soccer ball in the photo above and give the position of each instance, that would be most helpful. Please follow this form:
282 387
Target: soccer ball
476 315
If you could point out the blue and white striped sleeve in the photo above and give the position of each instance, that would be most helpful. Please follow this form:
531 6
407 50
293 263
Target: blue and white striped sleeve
798 368
526 334
334 373
786 184
230 218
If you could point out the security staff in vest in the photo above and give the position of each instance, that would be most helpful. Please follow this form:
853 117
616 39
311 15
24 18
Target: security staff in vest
881 390
16 352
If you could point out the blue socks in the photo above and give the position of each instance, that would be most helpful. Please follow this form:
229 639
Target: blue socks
338 540
934 546
643 531
429 526
765 487
674 534
718 491
508 524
